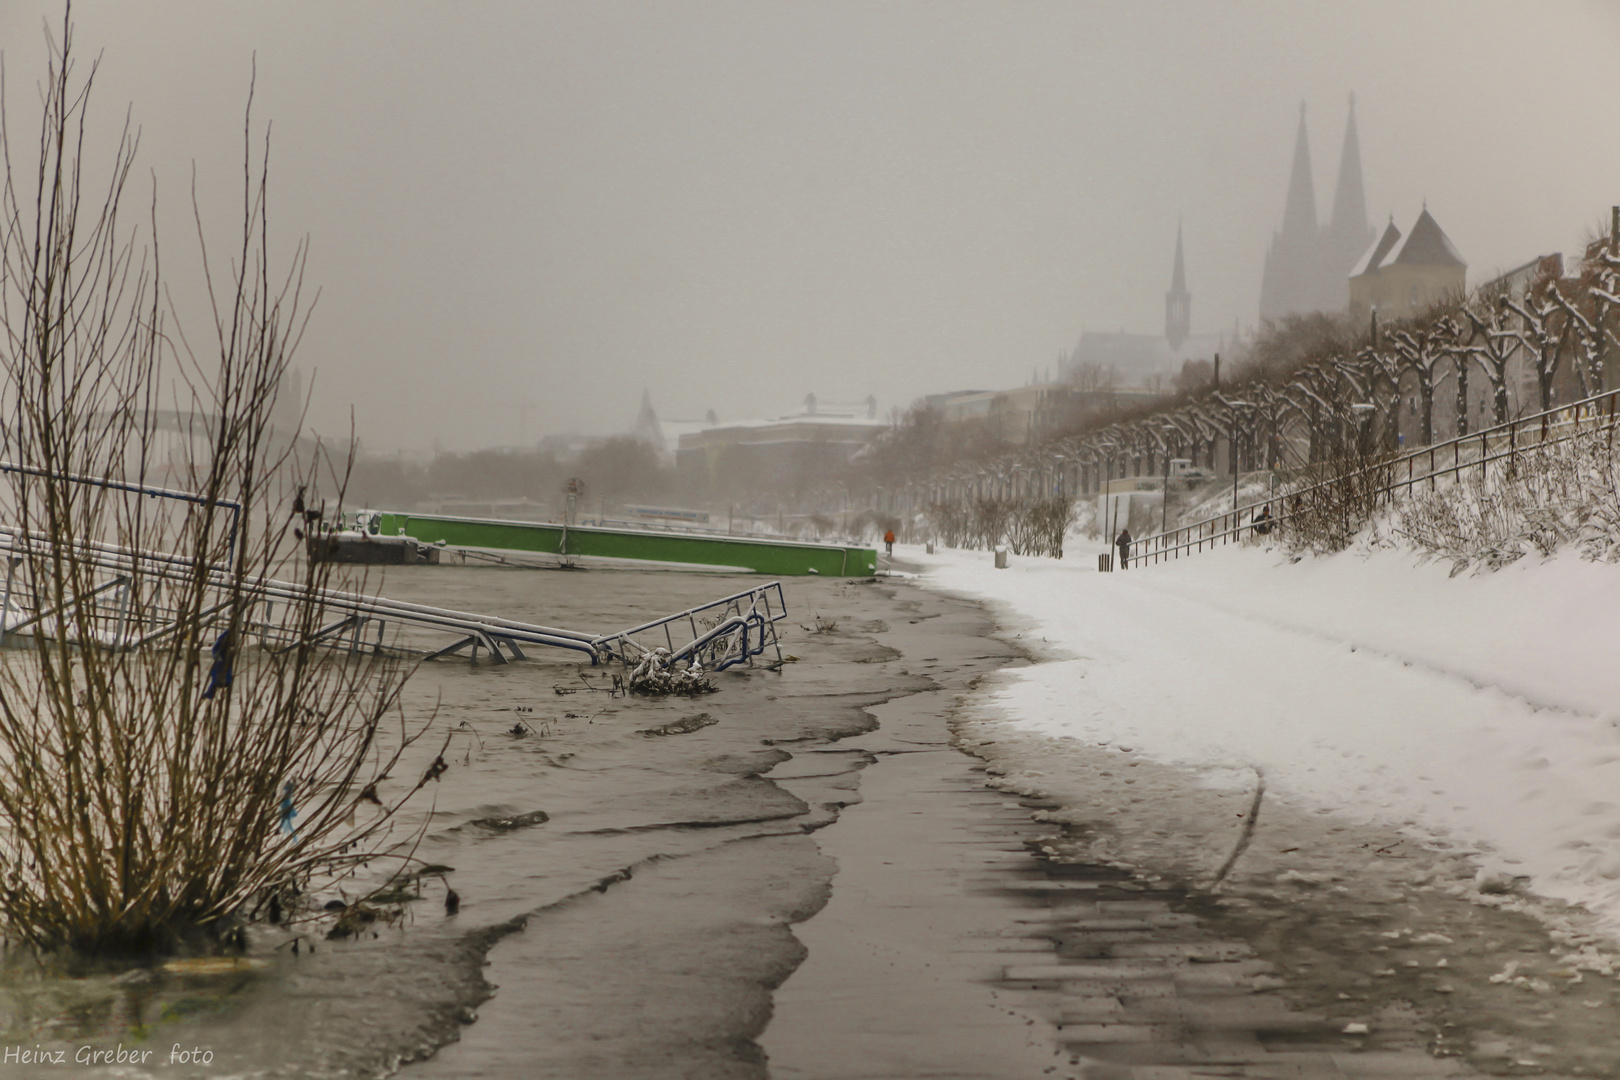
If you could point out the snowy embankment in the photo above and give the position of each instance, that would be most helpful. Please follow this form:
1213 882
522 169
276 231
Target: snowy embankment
1483 710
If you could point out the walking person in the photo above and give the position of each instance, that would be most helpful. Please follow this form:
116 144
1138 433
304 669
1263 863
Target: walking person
888 543
1123 542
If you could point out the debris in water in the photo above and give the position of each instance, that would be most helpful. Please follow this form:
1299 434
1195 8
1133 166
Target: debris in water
212 965
452 901
507 824
353 920
684 726
656 675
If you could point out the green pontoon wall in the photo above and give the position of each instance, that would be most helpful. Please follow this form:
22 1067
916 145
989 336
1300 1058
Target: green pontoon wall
777 557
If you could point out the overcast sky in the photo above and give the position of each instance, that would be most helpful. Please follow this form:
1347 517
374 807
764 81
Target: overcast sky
521 214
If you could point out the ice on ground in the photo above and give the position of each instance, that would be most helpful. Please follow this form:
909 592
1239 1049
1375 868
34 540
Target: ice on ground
1478 712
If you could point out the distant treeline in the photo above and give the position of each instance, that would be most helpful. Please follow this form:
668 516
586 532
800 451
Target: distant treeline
615 470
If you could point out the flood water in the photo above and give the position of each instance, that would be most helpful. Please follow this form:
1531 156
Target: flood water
538 827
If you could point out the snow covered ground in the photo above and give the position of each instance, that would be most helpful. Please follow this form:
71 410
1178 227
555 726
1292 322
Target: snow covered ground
1481 712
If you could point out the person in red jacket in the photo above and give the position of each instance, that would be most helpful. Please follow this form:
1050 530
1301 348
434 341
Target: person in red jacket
888 542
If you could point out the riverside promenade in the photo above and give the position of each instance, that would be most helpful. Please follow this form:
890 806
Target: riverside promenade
959 943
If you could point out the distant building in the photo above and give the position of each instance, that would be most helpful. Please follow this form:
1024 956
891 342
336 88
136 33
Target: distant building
1177 302
1514 284
1137 364
1016 416
647 429
786 453
1307 266
1399 279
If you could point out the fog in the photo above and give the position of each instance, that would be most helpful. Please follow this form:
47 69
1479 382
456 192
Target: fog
521 215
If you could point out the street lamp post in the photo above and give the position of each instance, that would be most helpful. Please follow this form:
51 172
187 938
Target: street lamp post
1235 408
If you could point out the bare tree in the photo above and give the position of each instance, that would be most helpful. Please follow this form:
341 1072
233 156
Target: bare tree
1492 345
1419 351
1590 318
1544 328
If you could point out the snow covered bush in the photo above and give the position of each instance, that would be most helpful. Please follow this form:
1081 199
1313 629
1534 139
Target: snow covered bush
1548 496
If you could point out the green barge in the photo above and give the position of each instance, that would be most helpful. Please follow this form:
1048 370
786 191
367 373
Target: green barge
599 544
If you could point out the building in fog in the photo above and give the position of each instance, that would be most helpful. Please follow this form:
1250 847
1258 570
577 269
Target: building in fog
647 428
1022 415
1400 278
787 453
1308 266
1138 365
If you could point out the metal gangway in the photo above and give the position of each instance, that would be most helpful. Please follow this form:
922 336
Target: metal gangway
720 634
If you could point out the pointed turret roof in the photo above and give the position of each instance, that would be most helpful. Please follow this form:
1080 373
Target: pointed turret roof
1178 276
1379 251
1299 215
1428 245
1178 301
647 428
1349 201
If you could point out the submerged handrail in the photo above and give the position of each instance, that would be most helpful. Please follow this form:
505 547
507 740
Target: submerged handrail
475 628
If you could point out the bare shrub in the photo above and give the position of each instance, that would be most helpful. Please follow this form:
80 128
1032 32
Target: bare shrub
1040 527
1333 501
1034 527
159 771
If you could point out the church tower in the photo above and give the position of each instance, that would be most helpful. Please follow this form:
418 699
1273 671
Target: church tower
1177 302
1349 233
1308 266
1292 280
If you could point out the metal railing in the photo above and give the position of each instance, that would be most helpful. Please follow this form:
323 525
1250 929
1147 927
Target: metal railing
724 632
1450 458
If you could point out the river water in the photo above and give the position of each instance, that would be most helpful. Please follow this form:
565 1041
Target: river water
538 829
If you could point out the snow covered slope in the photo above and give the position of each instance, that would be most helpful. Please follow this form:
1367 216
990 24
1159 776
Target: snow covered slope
1481 709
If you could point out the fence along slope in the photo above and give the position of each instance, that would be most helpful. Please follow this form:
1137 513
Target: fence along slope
1552 427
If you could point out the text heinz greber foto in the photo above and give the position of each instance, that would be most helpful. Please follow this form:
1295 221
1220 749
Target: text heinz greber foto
89 1055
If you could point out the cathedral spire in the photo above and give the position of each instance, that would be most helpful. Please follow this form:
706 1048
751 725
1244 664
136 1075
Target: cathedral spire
1349 201
1349 233
1293 279
1178 301
1299 215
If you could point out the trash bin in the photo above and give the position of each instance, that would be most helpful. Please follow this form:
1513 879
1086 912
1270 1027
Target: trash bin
1001 558
1105 563
929 548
